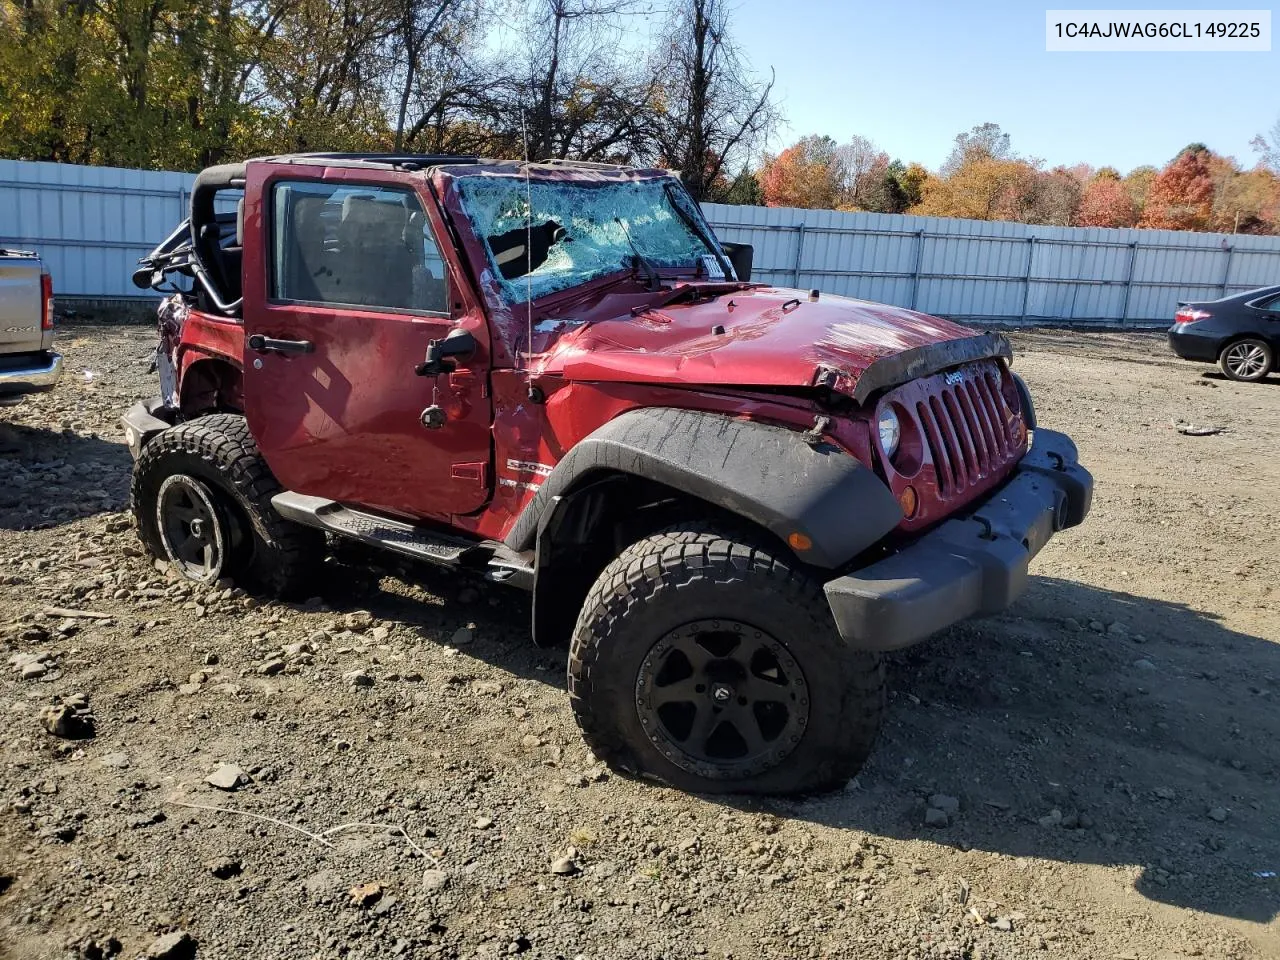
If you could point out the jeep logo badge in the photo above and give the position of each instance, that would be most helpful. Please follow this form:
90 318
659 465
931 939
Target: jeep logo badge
954 377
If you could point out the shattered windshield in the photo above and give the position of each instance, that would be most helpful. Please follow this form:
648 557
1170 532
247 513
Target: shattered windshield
547 236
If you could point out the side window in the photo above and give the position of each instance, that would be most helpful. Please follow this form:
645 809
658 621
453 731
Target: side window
354 246
1272 304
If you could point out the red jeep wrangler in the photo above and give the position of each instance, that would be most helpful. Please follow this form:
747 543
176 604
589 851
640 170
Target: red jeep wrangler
728 498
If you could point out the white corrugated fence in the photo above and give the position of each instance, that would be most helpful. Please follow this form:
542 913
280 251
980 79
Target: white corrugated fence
91 224
1008 272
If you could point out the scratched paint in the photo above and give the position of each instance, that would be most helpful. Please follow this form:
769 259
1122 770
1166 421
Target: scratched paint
761 344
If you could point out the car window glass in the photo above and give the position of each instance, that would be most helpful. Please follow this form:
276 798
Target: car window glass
354 245
544 236
1271 303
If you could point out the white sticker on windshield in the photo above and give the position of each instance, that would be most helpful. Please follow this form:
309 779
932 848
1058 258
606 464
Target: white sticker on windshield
711 267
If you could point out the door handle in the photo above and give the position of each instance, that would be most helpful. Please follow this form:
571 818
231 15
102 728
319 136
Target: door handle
261 344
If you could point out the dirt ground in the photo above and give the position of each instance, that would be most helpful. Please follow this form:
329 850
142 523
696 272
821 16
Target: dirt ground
1113 741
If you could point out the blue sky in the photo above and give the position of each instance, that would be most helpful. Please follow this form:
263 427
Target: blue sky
912 75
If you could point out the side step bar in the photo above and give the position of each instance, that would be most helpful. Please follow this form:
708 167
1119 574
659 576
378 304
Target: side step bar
498 562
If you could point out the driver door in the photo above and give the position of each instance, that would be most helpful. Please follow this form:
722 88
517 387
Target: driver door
346 278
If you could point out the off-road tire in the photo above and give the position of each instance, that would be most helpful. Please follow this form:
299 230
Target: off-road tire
1247 360
696 573
268 553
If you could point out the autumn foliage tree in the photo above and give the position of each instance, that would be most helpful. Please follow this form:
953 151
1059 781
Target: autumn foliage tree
1181 195
1106 202
803 175
982 188
851 176
1248 202
180 84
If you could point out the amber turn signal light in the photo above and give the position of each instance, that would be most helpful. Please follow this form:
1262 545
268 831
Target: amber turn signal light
799 541
908 501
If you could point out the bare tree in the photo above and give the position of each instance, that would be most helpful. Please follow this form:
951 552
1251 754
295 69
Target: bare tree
1268 148
417 25
984 142
569 88
861 167
716 114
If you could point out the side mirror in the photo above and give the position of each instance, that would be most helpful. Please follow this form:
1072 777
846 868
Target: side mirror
459 343
740 255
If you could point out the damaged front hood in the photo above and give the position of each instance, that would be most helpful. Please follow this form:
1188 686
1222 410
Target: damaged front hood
759 337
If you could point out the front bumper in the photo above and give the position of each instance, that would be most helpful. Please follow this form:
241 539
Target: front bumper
35 375
144 420
973 564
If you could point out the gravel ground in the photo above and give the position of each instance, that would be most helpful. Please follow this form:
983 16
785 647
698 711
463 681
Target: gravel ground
1093 774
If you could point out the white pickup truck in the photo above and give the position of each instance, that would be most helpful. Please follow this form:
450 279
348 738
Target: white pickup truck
28 363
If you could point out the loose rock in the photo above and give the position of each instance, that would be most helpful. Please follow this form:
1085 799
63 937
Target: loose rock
365 895
227 777
564 866
948 805
434 880
179 945
71 719
1052 819
357 678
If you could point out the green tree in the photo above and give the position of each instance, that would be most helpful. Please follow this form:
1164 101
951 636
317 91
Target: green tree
742 189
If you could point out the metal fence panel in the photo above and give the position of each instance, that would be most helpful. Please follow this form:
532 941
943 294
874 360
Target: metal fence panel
91 224
997 271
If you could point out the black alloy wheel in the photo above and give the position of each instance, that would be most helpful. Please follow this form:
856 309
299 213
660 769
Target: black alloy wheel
722 698
194 532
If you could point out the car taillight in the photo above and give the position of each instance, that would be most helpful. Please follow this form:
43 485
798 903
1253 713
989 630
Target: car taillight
1190 315
46 302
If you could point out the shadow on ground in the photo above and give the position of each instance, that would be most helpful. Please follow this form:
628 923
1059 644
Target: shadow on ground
53 477
1138 721
1140 736
438 602
1215 374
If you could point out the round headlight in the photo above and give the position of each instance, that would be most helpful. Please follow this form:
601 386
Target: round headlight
890 431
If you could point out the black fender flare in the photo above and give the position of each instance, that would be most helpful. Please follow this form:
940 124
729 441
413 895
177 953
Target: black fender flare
802 489
1024 396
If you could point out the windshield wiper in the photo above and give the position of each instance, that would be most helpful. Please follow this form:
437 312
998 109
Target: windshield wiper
692 223
652 280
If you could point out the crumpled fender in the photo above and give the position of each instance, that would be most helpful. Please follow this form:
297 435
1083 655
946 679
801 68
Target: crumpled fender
784 480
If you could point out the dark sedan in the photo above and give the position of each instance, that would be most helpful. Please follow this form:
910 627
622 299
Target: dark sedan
1240 333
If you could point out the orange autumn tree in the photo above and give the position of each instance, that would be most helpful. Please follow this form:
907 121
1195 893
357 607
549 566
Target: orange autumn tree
1107 202
804 175
1181 195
